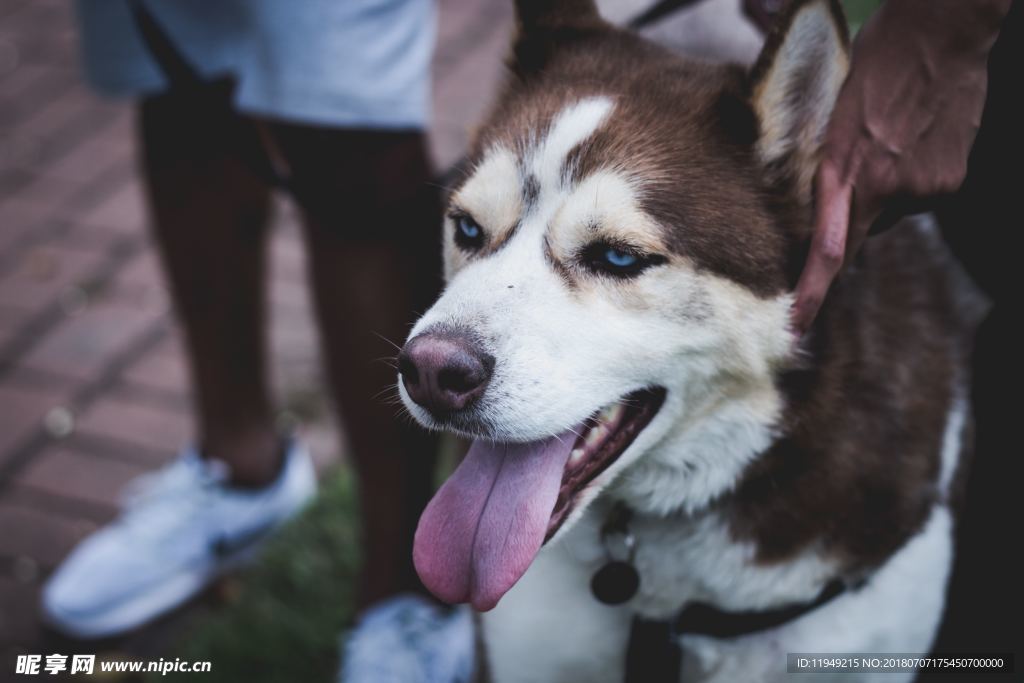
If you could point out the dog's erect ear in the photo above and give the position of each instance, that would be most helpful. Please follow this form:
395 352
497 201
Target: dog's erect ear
795 83
542 25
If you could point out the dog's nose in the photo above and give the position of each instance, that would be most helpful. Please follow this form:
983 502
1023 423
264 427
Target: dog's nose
444 371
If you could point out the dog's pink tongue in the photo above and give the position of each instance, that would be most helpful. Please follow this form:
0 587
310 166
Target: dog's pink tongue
484 527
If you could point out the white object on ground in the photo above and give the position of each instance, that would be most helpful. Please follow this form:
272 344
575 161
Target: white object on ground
180 528
409 639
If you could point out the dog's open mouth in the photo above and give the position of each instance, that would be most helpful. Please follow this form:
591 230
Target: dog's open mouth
608 434
483 528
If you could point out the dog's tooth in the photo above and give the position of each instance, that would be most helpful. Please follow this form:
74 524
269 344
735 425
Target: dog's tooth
595 435
611 414
576 455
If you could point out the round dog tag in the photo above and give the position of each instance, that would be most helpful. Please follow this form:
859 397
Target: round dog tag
615 583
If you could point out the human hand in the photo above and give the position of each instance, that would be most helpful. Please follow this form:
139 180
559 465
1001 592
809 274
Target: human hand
901 130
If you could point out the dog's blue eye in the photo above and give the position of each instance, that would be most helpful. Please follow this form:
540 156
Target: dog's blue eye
620 259
617 260
468 229
468 233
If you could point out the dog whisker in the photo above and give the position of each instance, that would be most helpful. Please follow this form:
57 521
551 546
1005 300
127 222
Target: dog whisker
389 391
381 336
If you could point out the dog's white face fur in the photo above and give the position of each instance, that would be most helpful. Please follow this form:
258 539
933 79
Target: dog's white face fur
565 351
628 223
569 340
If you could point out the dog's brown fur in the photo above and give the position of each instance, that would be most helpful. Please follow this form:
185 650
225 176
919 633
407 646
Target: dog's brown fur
854 467
770 467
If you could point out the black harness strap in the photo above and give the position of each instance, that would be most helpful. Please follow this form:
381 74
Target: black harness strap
705 620
654 655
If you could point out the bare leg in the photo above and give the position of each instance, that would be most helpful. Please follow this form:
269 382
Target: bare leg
209 214
374 252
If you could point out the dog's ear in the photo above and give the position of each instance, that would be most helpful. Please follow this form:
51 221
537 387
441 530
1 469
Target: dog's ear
794 85
543 25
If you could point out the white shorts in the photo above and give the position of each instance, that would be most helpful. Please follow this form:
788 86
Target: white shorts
345 63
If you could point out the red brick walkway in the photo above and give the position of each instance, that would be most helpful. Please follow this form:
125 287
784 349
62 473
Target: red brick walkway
93 389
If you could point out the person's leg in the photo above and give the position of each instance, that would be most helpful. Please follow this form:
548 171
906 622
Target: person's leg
373 233
188 522
209 214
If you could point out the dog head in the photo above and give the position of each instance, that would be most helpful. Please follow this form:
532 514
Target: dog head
619 258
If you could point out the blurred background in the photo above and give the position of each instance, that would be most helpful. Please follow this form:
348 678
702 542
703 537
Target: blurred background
93 387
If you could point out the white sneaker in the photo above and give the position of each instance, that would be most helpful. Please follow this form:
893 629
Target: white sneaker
180 528
409 639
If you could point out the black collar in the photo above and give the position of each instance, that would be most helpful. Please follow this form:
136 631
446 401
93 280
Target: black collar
654 654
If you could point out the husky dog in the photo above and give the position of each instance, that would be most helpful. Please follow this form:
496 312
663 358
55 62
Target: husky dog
614 337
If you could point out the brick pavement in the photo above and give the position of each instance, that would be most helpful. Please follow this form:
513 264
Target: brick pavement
93 388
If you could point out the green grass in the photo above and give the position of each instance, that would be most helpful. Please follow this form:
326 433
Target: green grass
285 615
